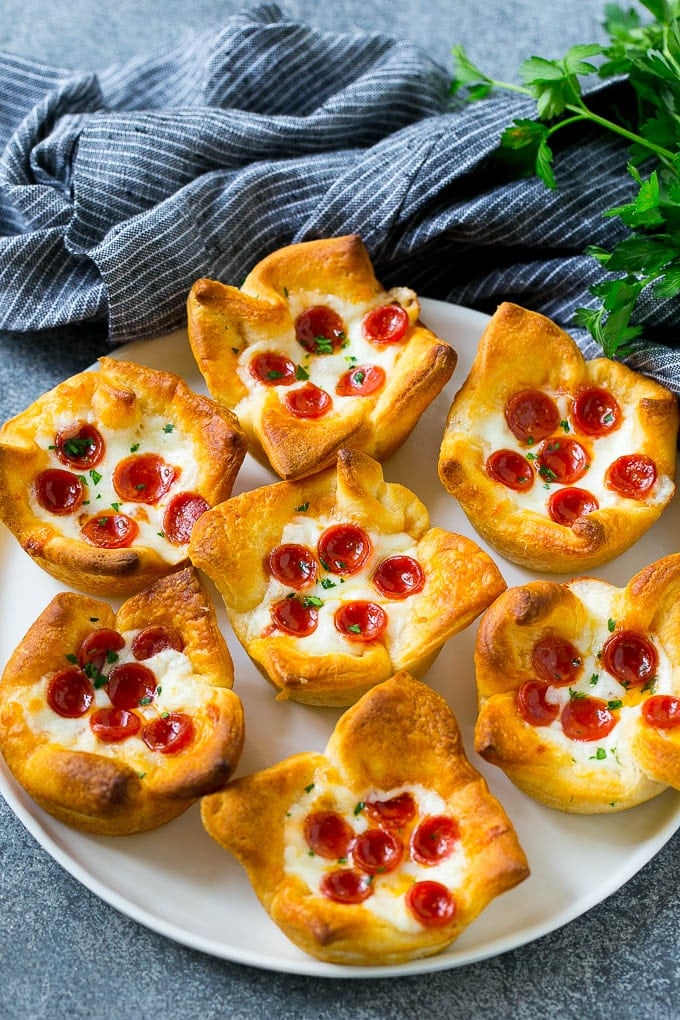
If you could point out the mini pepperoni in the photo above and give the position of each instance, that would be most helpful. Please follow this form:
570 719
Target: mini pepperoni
587 719
431 904
361 381
114 724
328 834
662 711
110 531
81 446
296 616
99 647
531 415
60 492
152 640
435 839
361 621
70 693
308 401
377 851
131 684
556 661
272 369
632 476
346 886
562 460
596 411
395 812
566 505
169 733
630 657
181 514
510 469
343 548
387 324
320 330
294 565
144 478
533 706
397 577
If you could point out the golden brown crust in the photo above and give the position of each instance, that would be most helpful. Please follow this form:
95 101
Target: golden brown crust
121 396
398 735
609 772
116 789
232 544
223 321
524 350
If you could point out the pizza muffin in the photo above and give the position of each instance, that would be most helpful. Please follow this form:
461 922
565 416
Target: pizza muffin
384 848
312 354
116 723
334 582
560 464
579 688
102 478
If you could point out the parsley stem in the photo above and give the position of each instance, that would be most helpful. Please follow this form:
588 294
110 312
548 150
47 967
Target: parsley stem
618 129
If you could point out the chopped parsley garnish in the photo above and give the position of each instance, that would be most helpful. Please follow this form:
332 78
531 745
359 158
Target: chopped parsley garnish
611 624
72 658
565 425
135 447
359 807
615 703
575 694
308 789
116 506
301 373
594 678
355 628
323 344
77 446
98 679
359 376
599 754
311 600
302 508
327 583
169 427
274 374
146 700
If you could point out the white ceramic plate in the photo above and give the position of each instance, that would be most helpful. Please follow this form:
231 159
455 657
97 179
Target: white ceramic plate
177 880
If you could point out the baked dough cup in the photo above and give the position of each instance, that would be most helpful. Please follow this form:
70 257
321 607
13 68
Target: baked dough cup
423 845
117 733
559 463
309 321
579 689
334 582
102 477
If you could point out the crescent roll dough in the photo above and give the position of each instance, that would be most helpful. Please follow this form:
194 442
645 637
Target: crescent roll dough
313 354
384 848
560 464
579 689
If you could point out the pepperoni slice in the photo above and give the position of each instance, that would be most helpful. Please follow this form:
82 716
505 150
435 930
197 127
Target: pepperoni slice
632 476
320 330
293 565
70 693
387 324
346 886
296 616
533 705
510 469
308 401
397 577
181 514
531 415
110 531
562 460
662 711
114 724
99 647
431 903
596 411
630 657
272 369
566 505
144 478
361 381
434 840
60 492
556 661
587 719
131 684
328 834
361 621
395 812
377 851
81 446
343 548
169 733
152 640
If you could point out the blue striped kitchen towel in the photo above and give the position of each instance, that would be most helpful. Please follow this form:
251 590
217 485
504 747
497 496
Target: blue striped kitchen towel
119 189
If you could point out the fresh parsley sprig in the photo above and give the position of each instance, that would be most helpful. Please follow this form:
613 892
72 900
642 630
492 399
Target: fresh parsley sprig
648 57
